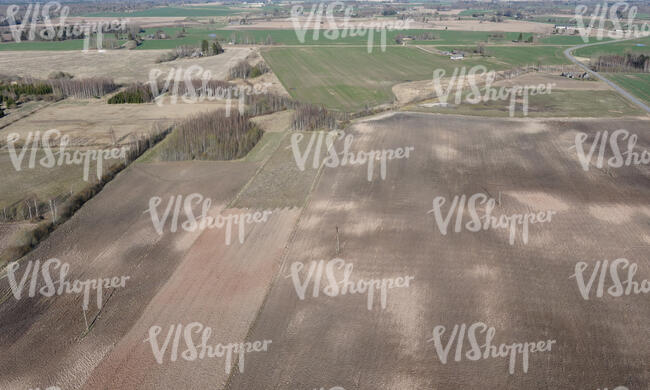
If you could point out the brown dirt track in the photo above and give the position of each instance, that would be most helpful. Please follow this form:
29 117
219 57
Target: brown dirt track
524 291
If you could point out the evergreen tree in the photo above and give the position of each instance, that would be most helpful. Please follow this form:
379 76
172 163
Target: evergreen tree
216 48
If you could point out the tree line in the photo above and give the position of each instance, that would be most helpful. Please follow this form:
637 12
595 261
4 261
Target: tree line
211 136
621 63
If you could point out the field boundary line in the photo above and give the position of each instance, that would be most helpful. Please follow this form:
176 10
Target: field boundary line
283 260
257 173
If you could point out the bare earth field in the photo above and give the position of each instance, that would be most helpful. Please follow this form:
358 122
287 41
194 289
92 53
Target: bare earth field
523 290
245 292
122 65
423 89
110 236
94 119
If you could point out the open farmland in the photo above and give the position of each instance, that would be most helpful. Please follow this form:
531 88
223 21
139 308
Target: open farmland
636 83
350 78
524 291
463 206
110 236
559 103
122 65
171 12
641 45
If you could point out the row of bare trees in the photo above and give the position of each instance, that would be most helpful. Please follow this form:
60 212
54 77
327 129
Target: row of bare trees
83 88
628 62
211 136
312 117
267 103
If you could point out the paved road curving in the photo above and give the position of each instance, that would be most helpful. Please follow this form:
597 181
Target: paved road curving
620 90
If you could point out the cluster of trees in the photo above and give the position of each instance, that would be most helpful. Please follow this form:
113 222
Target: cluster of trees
267 103
621 63
213 49
211 136
185 51
424 36
247 39
201 87
311 117
83 88
243 70
135 93
520 38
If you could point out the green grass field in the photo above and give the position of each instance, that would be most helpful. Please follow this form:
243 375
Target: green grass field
637 84
194 35
616 48
521 55
348 78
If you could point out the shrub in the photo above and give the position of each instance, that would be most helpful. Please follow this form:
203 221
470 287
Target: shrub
59 75
84 88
